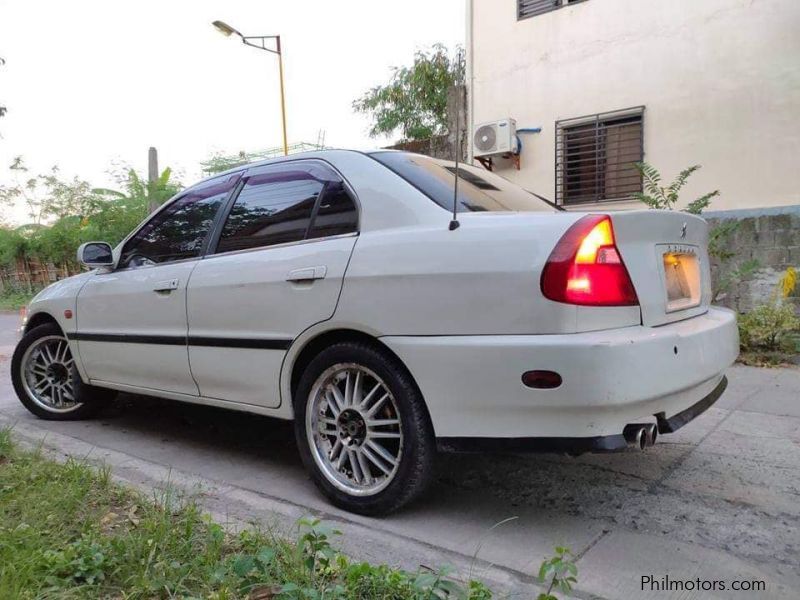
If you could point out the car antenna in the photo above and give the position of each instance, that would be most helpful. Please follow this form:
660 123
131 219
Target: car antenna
454 224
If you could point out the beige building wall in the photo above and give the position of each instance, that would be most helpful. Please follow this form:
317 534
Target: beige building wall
719 79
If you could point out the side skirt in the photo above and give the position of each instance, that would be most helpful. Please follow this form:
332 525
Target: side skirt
274 412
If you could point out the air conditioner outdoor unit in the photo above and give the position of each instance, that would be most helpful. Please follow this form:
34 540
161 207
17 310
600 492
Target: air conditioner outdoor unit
496 137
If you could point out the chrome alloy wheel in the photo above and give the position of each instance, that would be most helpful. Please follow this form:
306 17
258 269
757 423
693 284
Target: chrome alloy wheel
353 429
46 373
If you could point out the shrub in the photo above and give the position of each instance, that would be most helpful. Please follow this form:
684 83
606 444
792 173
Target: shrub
769 326
666 197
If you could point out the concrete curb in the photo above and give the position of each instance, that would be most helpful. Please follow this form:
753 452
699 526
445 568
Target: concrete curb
237 508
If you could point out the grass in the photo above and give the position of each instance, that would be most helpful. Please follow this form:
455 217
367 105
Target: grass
68 531
12 299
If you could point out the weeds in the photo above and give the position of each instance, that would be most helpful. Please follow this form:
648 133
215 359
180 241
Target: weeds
67 531
560 571
768 332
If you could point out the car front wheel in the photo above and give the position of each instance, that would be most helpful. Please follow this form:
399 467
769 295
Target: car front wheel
46 380
363 429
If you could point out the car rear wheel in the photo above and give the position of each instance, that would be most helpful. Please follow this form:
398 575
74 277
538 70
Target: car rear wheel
46 380
363 429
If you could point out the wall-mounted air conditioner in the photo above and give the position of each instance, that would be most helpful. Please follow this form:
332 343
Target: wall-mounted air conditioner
496 137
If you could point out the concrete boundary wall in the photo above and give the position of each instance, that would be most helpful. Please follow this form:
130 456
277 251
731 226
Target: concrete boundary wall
769 235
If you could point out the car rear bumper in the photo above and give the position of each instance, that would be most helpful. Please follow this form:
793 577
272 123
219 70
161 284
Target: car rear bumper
576 445
473 388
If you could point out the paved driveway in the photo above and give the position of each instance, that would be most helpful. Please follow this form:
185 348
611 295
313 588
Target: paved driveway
718 501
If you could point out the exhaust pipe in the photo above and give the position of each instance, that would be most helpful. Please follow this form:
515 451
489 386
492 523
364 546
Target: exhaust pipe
641 435
635 435
651 434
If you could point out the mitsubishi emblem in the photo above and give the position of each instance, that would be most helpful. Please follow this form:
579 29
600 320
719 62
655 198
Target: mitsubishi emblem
683 231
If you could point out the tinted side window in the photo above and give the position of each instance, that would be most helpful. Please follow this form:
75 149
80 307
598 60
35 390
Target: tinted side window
178 231
337 212
276 204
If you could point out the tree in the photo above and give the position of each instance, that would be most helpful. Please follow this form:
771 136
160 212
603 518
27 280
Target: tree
46 196
658 196
66 213
13 245
116 213
29 190
414 101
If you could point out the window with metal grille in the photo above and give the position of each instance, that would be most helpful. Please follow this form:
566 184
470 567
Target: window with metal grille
596 157
531 8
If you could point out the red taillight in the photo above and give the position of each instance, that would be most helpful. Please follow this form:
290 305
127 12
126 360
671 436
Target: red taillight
586 268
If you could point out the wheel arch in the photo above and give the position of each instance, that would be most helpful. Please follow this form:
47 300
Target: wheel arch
40 318
315 344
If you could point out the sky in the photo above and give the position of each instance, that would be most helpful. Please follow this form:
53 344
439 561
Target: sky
90 84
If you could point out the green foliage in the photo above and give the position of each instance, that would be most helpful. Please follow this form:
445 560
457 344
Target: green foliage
770 327
414 101
74 212
5 443
14 298
67 531
13 244
83 561
560 571
666 197
115 213
718 239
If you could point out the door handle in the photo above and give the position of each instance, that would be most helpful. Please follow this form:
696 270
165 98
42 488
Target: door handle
307 274
166 286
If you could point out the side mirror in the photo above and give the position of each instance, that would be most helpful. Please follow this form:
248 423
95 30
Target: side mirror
96 254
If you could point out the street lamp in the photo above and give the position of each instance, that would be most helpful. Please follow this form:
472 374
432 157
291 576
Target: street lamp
260 42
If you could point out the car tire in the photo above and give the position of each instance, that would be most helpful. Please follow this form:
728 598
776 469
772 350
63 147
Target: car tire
79 400
414 451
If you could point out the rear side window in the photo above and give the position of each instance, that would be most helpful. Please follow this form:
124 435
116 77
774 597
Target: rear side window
479 190
337 212
179 231
287 203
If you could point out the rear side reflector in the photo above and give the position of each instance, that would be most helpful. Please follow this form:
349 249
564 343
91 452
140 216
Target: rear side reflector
586 268
542 380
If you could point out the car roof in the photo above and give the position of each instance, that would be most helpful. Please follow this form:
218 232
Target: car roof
320 154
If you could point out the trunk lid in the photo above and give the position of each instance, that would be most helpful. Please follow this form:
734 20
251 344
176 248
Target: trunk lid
666 254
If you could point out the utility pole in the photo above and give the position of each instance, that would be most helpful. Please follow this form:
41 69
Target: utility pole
152 178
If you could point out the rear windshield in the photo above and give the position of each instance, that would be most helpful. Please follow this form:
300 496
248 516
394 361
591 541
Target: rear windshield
479 190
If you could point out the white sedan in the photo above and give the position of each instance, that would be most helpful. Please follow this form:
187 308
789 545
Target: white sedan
335 289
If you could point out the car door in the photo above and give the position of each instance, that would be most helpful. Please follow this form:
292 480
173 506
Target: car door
131 322
276 269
